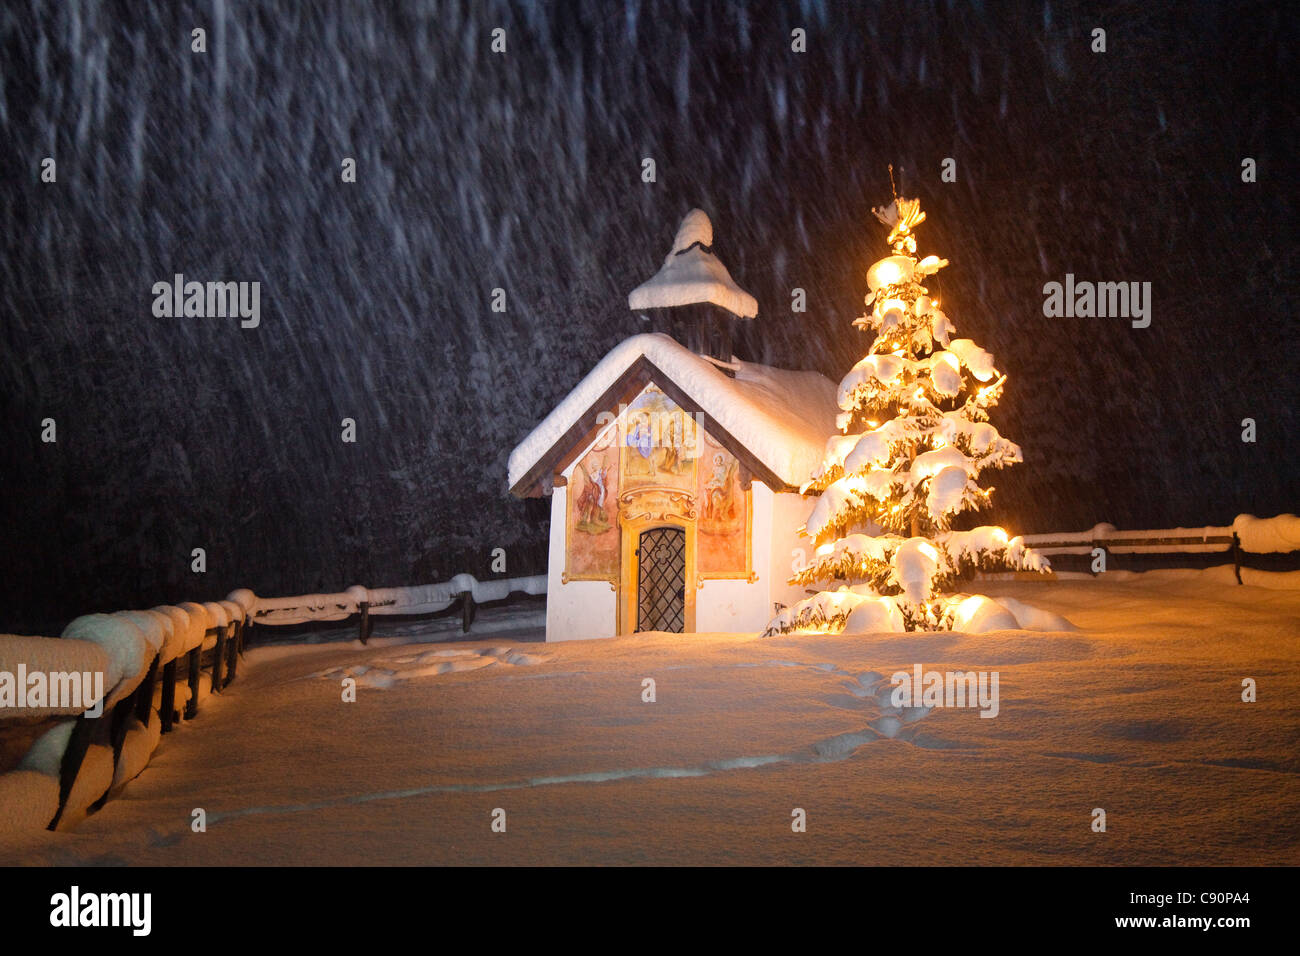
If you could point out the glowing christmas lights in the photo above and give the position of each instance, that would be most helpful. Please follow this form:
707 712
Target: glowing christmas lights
908 478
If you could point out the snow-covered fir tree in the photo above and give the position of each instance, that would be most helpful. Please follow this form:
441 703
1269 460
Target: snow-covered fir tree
915 441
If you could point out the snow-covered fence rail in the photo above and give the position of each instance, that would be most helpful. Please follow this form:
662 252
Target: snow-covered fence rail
1276 535
88 708
367 603
111 685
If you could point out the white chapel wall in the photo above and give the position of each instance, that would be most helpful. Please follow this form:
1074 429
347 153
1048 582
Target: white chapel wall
733 604
580 609
790 512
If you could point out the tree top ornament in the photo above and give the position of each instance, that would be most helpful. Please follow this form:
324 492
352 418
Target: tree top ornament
902 216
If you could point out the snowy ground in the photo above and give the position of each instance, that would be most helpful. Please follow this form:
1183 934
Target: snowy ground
1138 712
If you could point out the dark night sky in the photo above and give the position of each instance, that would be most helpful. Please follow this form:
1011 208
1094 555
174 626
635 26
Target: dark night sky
522 171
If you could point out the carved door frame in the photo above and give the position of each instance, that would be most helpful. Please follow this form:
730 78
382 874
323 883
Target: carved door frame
628 604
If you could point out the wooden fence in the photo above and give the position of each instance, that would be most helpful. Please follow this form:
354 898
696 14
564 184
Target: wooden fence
157 657
1210 539
366 604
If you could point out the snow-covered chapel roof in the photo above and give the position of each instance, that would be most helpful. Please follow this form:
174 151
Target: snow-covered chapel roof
692 274
779 419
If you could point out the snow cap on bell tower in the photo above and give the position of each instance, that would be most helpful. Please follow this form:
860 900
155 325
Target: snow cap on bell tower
695 228
693 275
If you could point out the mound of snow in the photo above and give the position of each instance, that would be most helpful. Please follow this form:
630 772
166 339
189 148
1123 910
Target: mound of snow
976 359
129 653
945 377
245 598
46 758
914 566
154 626
977 614
178 632
137 748
891 270
30 800
217 615
234 610
1278 534
947 489
883 369
93 781
200 621
696 227
1031 618
875 615
46 754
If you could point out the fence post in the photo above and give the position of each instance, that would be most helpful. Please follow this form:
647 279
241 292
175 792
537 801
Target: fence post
365 621
466 611
167 706
144 698
194 661
219 659
78 744
232 659
1236 556
122 710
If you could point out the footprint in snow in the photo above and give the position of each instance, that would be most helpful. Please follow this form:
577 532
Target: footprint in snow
387 672
871 694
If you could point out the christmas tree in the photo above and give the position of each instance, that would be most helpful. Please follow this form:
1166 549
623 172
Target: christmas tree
915 440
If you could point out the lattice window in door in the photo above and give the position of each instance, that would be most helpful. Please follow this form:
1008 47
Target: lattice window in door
661 580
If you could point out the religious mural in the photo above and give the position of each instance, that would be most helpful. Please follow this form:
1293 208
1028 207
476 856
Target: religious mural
593 537
656 462
723 512
661 442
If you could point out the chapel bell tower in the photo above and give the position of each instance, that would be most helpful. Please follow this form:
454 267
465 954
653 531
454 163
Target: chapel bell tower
693 297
